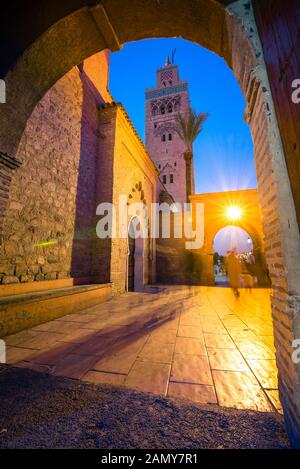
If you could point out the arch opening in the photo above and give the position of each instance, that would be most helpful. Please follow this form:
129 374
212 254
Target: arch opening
76 37
235 239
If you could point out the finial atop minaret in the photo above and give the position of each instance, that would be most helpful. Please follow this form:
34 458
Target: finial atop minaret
167 61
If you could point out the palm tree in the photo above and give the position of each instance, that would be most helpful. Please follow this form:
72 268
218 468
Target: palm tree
188 127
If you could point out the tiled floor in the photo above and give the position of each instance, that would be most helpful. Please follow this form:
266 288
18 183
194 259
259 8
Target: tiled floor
198 343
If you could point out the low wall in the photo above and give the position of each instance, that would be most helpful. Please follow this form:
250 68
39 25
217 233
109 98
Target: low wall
18 312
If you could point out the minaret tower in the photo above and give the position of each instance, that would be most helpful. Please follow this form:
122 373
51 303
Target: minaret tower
163 102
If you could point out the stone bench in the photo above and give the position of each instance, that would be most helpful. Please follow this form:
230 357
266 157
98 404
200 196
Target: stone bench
24 306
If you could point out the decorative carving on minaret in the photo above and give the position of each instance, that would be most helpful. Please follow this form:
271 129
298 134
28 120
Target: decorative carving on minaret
165 105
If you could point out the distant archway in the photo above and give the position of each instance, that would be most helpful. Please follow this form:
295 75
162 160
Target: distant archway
217 216
249 252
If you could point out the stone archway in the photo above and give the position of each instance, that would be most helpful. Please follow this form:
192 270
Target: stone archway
131 265
229 32
83 32
248 248
136 257
216 205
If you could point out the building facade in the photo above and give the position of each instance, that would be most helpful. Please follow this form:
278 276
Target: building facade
76 147
169 97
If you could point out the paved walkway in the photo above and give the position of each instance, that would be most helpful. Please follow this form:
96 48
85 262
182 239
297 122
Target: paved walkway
198 343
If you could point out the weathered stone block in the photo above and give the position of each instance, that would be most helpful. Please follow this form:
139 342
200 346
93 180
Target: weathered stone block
52 259
6 268
34 269
21 270
62 275
26 278
13 248
17 260
46 269
16 206
41 260
9 279
39 277
51 276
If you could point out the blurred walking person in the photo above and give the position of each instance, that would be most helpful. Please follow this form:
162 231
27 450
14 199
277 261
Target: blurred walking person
248 281
247 278
234 270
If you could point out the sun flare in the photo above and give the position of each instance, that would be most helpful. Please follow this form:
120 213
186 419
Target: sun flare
234 212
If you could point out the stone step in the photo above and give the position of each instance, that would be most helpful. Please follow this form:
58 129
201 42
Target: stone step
22 311
30 287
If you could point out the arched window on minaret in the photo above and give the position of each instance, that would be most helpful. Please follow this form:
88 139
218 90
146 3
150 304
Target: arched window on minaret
170 107
176 103
162 109
154 109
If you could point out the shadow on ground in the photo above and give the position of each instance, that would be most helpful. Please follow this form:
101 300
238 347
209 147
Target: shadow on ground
43 411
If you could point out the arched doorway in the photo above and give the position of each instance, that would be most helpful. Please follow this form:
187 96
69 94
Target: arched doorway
131 270
234 238
136 258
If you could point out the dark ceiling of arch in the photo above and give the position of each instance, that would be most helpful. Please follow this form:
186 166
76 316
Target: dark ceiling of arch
23 21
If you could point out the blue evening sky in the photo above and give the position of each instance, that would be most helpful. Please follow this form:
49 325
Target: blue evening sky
224 150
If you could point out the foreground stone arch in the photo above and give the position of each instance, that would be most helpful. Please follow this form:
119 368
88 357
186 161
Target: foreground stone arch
229 32
88 30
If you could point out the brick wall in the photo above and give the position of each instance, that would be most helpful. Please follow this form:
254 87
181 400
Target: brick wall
278 24
282 304
282 241
7 166
127 170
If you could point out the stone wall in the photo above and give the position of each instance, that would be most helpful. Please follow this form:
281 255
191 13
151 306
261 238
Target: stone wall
74 156
278 24
51 207
285 299
177 265
7 166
